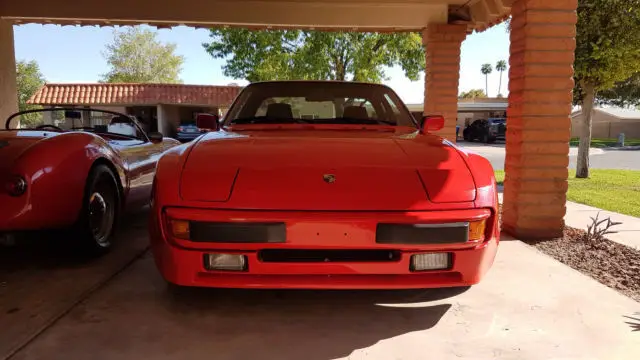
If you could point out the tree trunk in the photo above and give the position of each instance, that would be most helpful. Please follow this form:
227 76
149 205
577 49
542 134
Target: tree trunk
582 168
500 84
486 84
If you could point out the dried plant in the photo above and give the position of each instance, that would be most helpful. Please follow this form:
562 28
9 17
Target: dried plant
599 228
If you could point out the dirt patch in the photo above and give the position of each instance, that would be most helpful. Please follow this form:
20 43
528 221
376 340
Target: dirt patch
614 265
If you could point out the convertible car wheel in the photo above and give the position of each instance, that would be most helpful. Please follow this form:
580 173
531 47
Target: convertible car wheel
99 215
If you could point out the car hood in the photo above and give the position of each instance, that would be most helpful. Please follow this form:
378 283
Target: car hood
325 170
15 143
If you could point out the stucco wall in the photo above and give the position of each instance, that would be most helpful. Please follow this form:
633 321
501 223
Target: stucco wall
605 125
168 119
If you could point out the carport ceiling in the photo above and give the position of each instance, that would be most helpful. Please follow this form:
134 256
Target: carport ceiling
363 15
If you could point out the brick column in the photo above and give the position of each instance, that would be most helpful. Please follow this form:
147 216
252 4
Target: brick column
8 92
538 123
442 46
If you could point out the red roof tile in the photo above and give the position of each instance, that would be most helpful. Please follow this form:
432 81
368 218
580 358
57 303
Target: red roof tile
134 94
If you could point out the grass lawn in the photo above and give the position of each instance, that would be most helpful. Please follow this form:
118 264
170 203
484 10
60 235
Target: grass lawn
613 190
603 143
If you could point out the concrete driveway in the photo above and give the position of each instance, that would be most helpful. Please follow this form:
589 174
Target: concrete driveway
598 159
528 307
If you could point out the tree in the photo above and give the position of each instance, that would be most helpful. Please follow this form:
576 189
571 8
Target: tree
472 94
622 94
315 55
486 69
29 79
501 66
607 52
135 55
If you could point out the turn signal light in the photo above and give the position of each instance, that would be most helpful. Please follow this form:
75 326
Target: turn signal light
476 230
180 228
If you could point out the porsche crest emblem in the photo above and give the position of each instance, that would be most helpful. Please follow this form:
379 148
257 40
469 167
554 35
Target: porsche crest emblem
329 178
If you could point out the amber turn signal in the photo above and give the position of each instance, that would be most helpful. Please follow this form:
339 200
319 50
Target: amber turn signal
476 230
179 228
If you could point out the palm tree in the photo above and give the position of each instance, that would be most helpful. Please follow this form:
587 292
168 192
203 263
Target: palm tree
486 70
501 66
472 94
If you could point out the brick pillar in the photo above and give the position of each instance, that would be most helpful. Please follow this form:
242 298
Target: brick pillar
8 92
442 46
538 123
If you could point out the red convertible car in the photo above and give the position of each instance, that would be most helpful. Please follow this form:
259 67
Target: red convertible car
75 170
325 185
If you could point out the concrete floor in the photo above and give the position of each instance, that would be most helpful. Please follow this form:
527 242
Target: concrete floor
528 307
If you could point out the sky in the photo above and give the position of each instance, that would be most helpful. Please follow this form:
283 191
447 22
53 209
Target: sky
72 54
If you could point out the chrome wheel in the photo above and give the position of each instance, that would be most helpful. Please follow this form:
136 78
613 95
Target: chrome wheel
101 217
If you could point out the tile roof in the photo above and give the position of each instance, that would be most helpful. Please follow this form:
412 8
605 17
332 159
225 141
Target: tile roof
134 94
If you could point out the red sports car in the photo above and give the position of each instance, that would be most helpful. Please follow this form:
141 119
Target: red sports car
74 170
326 185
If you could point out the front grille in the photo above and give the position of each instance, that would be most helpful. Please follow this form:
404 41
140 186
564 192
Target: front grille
312 256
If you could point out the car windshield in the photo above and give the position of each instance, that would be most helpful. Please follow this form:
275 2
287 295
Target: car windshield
497 121
64 119
315 102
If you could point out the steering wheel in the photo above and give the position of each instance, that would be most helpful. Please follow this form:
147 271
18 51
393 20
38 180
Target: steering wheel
39 127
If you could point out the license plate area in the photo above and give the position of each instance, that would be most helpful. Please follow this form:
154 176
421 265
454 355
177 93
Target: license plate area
327 256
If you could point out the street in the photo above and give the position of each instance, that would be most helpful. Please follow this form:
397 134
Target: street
598 159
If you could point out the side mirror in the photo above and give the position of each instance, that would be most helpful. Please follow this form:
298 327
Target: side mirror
431 123
155 137
208 122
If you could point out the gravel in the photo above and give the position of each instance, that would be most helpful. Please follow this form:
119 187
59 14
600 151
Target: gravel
614 265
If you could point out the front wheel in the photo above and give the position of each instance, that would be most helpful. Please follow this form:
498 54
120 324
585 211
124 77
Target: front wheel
99 214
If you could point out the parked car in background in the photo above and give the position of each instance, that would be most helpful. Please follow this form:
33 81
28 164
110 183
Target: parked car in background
486 130
75 171
360 195
188 131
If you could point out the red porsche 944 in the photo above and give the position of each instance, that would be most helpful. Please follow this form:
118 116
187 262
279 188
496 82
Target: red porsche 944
325 185
76 171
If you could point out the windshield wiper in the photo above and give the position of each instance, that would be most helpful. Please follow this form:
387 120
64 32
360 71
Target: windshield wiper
268 120
356 121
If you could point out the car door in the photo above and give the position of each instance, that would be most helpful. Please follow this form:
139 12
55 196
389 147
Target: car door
474 128
140 156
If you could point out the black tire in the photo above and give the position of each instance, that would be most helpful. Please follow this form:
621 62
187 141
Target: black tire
485 138
93 233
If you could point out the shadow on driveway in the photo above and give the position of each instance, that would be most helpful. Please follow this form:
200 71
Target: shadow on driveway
136 316
635 322
310 325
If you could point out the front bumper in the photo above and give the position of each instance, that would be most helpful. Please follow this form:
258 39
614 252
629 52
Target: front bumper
181 262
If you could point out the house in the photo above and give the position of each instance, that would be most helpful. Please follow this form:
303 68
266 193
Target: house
158 107
470 110
609 122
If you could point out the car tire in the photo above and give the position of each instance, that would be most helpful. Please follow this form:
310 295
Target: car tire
485 138
93 233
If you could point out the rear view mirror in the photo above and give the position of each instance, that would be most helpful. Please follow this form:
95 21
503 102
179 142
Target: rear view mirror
431 123
72 114
155 137
208 122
